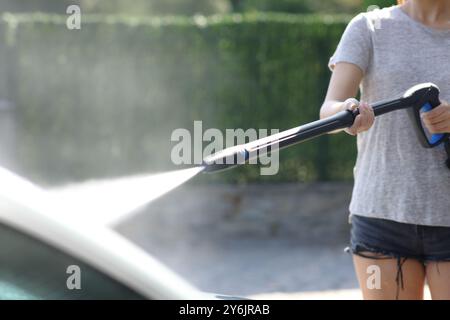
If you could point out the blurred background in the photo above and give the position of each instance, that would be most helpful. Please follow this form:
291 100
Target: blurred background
101 102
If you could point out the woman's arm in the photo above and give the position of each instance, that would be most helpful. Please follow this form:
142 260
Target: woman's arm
342 89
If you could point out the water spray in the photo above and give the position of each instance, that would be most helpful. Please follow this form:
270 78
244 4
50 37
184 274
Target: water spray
420 98
108 202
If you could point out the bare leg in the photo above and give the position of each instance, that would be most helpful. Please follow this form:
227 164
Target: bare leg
404 282
438 278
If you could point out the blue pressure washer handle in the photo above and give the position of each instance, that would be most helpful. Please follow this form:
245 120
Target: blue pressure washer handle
429 101
420 98
435 138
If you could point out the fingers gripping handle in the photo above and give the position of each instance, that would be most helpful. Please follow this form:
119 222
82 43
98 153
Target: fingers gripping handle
435 138
418 99
426 99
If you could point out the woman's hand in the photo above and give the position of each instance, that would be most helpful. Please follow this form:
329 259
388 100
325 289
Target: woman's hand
438 119
363 120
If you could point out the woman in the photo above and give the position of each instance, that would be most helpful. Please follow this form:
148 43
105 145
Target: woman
400 207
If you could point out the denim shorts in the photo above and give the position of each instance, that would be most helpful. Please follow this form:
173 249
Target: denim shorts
388 238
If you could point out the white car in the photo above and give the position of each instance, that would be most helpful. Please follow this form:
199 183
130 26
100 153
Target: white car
45 254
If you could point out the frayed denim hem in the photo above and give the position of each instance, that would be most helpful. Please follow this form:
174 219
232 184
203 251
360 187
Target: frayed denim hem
362 250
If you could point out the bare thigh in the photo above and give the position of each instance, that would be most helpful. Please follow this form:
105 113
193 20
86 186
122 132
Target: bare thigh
406 283
438 278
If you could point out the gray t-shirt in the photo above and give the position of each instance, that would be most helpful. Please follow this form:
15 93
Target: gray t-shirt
395 177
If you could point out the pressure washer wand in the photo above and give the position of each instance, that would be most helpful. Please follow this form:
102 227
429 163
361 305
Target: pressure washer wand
417 96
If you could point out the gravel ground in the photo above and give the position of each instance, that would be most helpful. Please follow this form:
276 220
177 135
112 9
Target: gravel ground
267 241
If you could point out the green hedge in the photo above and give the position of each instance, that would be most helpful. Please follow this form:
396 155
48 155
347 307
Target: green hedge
104 100
380 3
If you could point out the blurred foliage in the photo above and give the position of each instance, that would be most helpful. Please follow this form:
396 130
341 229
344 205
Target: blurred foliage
309 6
380 3
156 7
104 100
134 7
299 6
190 7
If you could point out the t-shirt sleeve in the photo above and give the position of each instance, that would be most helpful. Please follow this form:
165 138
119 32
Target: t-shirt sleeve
355 45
